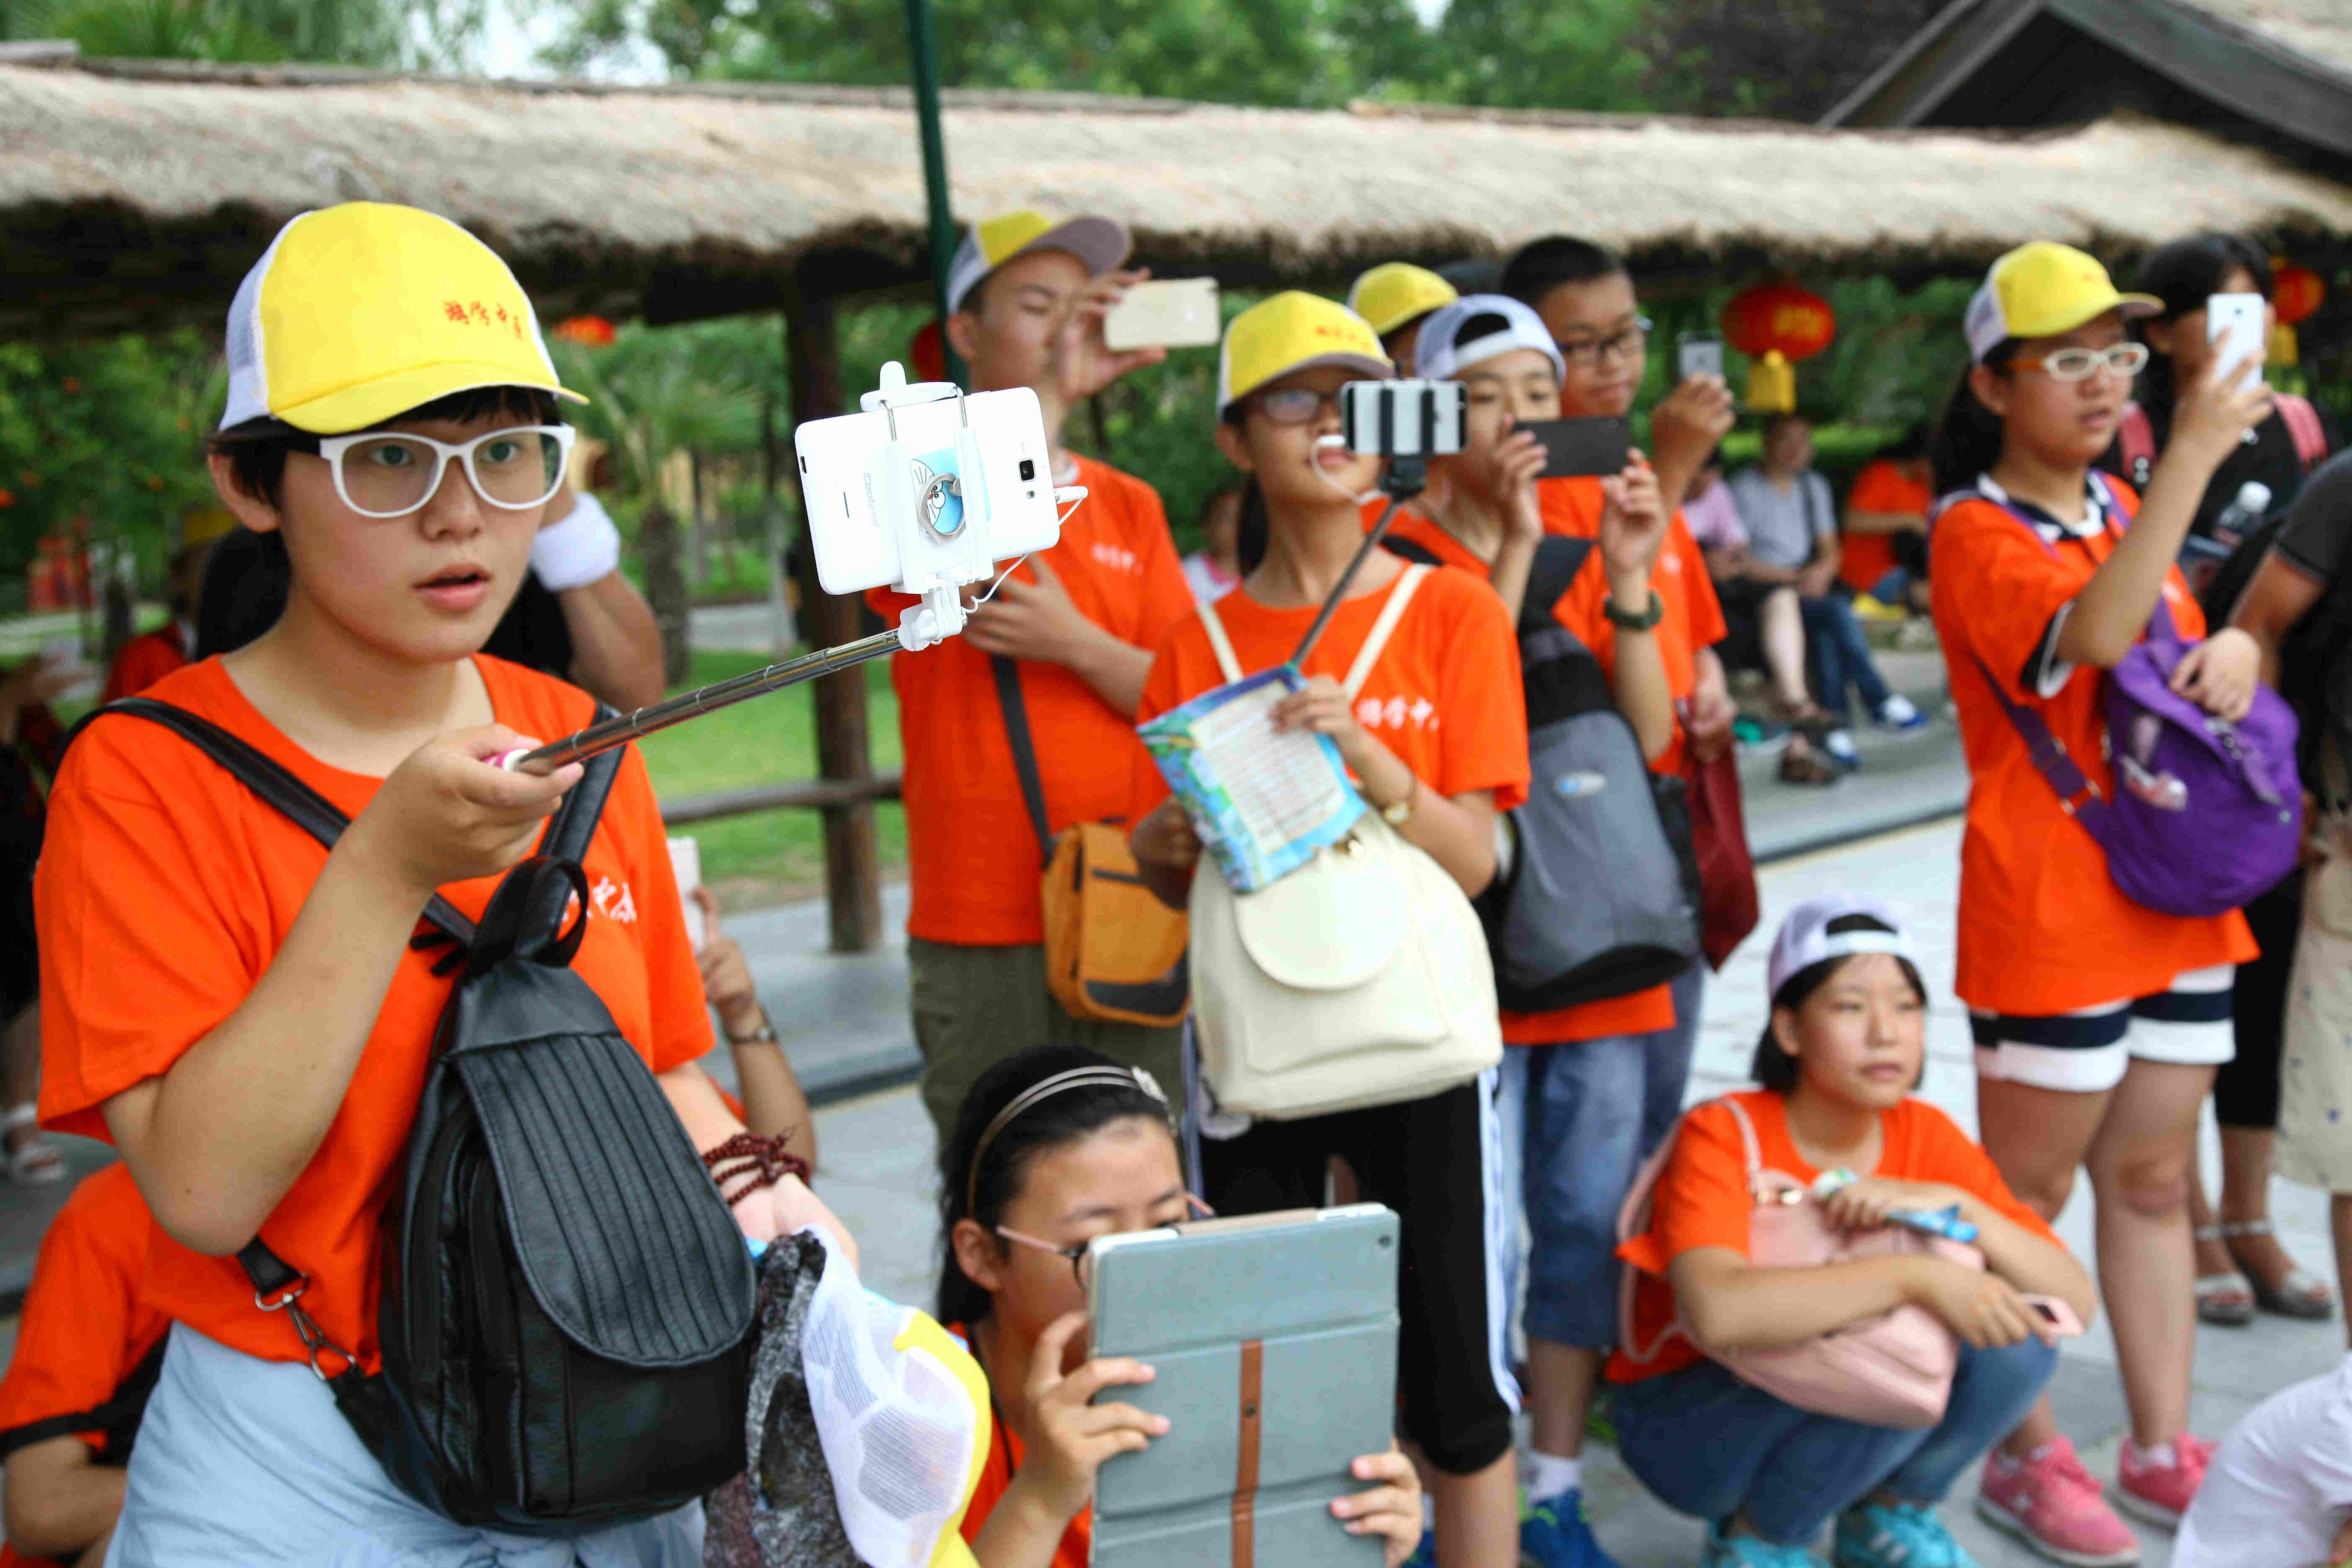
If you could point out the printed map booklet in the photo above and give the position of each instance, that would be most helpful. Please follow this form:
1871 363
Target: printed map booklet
1262 801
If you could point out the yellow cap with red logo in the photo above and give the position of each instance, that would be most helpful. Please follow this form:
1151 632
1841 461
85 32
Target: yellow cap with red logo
357 314
1291 331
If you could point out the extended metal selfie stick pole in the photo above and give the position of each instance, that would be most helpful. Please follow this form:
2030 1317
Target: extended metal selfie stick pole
1406 478
628 727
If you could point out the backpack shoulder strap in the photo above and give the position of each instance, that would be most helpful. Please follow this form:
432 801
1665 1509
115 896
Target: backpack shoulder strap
2136 442
1412 550
2302 422
1015 708
1559 559
277 787
1391 613
574 828
1219 643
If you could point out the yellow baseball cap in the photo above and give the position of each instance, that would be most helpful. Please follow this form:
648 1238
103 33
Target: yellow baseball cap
357 313
200 525
1099 242
1397 293
1293 331
2041 290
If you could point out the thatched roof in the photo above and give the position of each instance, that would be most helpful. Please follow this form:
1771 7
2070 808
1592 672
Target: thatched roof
2317 30
137 193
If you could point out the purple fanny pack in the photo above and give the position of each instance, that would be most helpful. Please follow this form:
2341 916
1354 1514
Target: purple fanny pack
2206 815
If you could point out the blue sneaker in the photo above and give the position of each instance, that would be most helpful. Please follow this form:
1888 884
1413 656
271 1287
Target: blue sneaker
1896 1535
1553 1534
1899 714
1426 1554
1750 1551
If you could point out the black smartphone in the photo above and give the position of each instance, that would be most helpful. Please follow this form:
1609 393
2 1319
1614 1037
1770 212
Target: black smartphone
1575 448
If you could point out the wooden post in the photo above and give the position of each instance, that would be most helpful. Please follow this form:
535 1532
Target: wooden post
853 860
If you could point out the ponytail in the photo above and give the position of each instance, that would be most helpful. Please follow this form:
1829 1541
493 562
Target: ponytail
1252 535
1968 436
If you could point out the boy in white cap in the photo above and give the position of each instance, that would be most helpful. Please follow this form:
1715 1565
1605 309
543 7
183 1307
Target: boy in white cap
1058 656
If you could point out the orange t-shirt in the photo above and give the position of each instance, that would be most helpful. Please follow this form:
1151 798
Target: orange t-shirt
86 1326
2044 929
972 850
1444 695
1694 620
1004 1452
1887 484
165 889
144 660
1702 1199
1412 528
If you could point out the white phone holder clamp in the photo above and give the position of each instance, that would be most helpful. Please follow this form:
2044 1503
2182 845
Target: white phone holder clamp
946 506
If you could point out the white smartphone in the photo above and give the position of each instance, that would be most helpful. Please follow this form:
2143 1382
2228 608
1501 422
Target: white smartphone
2233 325
873 529
685 865
1403 418
1166 313
1698 357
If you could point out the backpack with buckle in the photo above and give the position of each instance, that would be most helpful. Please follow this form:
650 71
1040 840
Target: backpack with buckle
567 1303
2206 815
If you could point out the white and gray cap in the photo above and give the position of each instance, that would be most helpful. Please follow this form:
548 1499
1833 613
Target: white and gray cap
1443 354
1806 939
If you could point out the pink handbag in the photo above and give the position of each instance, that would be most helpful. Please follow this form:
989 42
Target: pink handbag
1893 1370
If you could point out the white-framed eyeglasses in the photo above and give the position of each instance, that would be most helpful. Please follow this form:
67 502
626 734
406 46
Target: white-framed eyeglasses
388 473
2125 359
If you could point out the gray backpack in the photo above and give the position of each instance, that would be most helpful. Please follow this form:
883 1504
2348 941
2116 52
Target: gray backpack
1601 899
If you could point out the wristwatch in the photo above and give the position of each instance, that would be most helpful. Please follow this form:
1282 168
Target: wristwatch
1401 813
1632 621
765 1034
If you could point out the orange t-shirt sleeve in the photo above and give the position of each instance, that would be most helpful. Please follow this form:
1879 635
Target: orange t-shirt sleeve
679 1006
1706 623
2013 584
1485 733
1701 1198
152 929
1954 1158
82 1327
1147 787
1881 487
1165 598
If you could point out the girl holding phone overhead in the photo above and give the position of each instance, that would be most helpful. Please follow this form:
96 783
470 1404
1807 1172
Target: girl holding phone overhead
2098 1021
1437 740
1054 1147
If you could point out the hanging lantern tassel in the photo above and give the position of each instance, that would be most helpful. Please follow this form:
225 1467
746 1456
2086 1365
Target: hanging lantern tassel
2283 345
1772 384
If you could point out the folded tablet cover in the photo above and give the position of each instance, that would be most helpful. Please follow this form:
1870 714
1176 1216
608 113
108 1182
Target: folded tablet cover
1276 1348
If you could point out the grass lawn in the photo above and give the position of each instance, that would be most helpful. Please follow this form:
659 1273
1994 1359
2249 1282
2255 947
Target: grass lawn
769 856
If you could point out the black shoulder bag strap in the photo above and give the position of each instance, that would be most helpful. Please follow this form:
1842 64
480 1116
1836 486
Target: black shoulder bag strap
1025 749
1412 550
1558 558
276 1282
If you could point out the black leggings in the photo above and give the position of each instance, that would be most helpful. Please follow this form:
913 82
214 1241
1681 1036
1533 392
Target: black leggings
2246 1090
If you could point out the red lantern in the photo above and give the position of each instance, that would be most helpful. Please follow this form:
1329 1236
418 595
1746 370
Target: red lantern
1779 318
2296 291
589 331
926 351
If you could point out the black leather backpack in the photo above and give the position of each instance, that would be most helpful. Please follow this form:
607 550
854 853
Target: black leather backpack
567 1302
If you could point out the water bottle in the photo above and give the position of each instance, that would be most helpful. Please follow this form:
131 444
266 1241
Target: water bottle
2243 515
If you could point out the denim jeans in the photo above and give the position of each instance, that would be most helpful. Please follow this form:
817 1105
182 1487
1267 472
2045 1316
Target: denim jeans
1840 654
1577 1120
1708 1445
1894 588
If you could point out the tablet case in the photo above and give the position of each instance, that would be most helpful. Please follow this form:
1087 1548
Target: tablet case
1274 1339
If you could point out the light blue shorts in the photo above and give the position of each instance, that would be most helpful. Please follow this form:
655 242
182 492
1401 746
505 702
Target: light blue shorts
243 1462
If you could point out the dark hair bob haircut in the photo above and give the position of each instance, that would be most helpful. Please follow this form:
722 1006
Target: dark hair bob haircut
1775 1068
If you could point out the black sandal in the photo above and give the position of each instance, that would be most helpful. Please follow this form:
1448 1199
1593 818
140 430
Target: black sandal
1805 768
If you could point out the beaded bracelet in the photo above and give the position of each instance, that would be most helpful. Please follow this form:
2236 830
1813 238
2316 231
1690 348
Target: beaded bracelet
765 1160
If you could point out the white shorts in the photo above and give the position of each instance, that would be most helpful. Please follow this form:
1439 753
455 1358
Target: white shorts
2187 1023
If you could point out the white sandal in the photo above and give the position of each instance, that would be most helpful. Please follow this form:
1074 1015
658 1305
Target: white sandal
2301 1294
2226 1299
35 1161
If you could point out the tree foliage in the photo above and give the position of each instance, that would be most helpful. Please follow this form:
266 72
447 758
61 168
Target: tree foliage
399 33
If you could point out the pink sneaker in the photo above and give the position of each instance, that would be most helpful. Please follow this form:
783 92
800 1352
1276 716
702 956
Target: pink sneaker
2053 1504
2160 1494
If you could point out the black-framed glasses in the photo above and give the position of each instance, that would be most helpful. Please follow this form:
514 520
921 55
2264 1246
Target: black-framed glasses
1628 342
1295 405
1081 1261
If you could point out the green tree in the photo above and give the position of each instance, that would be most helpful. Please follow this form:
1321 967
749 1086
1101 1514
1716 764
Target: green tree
1535 54
394 33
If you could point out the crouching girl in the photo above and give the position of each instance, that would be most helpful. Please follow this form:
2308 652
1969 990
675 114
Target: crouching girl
1838 1062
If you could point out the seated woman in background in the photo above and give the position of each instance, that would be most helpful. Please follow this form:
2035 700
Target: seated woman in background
1054 1147
1838 1062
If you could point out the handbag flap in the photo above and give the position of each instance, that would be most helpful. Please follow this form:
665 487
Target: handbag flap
1333 923
617 1229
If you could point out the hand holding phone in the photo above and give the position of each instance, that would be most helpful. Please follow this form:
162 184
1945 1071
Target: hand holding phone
1165 313
2235 327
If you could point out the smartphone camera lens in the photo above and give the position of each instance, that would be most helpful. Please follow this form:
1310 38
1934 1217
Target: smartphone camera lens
1028 468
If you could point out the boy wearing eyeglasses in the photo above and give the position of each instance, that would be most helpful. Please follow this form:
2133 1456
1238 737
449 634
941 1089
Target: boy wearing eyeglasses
1606 1102
1059 655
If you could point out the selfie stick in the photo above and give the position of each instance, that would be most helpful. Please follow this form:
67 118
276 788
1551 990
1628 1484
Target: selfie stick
1406 478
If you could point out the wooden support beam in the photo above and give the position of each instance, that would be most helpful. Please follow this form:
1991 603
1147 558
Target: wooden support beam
853 860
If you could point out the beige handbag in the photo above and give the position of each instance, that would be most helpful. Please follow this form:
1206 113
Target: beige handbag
1361 979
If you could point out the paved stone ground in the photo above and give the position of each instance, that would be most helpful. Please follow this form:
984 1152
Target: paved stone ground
879 1160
